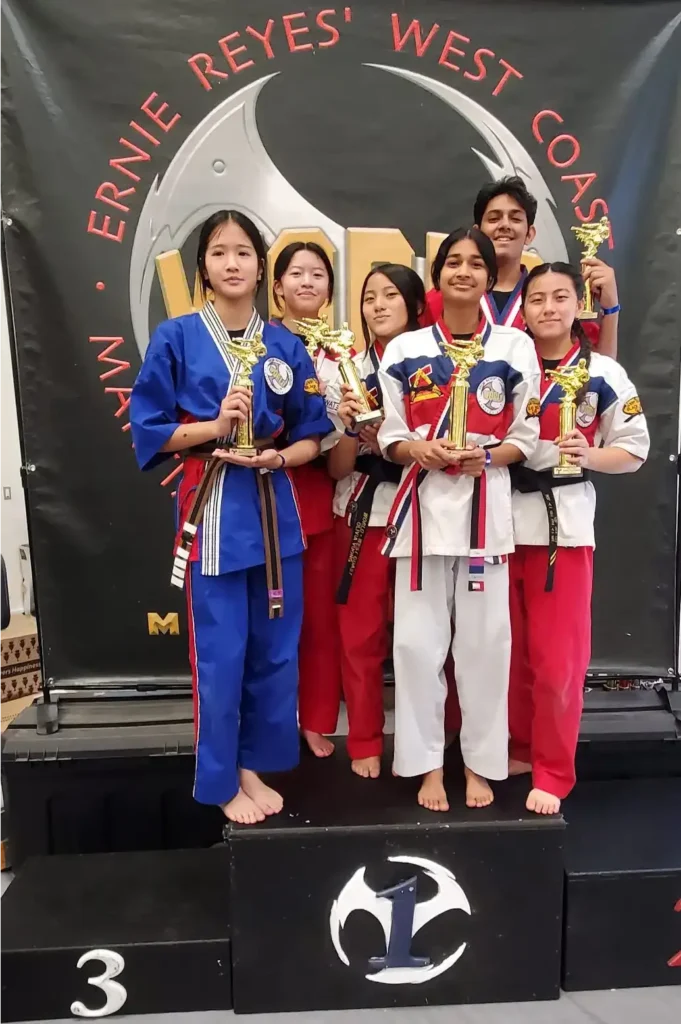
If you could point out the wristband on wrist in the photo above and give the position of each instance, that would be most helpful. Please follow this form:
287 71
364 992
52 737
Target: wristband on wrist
351 433
609 310
283 461
488 457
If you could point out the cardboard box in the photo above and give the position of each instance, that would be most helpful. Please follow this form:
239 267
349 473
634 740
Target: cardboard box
21 669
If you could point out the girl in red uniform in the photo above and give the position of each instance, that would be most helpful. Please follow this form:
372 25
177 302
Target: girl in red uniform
392 300
553 519
303 285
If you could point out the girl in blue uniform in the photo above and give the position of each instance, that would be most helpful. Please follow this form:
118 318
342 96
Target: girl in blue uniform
240 542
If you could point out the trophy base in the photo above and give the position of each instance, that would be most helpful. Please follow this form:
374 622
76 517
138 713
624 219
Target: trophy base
367 419
567 470
587 314
247 453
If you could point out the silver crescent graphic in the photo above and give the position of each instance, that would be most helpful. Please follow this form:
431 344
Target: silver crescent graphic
223 163
357 895
511 157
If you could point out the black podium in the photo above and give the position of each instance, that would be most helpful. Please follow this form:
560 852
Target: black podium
357 897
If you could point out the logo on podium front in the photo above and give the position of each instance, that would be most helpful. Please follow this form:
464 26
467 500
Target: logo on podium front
401 917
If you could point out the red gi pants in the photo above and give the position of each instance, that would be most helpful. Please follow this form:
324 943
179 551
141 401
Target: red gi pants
549 659
363 623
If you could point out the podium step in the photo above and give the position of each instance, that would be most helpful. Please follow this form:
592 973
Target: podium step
371 901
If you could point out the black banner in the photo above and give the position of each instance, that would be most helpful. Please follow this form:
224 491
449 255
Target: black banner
126 124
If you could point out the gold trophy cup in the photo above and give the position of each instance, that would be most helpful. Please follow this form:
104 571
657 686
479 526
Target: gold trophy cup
465 355
318 334
247 351
591 236
571 379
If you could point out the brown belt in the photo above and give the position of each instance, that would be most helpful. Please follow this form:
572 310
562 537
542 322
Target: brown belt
268 514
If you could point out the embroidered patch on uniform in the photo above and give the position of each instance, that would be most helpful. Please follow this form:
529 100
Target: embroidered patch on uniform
391 532
372 395
491 395
311 386
632 407
586 412
422 386
279 376
533 408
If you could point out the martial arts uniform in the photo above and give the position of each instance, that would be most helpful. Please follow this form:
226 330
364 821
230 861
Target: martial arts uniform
362 503
451 535
551 573
244 577
319 656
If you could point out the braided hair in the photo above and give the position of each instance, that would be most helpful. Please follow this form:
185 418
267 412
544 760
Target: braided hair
577 332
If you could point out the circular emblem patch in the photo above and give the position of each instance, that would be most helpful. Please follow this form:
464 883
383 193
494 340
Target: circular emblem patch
491 395
279 376
586 412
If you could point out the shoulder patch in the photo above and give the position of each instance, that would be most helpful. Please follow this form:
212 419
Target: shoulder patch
533 408
279 376
587 411
311 386
633 407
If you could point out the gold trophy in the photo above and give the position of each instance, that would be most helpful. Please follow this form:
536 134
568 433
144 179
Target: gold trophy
465 355
247 351
318 334
571 379
591 236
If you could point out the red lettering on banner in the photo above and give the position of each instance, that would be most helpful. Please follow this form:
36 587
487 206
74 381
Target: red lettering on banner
414 29
171 476
118 162
593 211
331 29
231 54
582 183
112 200
477 60
510 70
448 48
104 232
123 396
675 961
157 115
105 357
145 133
208 69
292 32
550 151
538 118
264 39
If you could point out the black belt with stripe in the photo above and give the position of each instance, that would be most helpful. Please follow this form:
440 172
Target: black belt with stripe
379 471
528 481
268 514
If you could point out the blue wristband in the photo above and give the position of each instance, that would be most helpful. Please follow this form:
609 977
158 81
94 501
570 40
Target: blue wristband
609 311
350 433
488 457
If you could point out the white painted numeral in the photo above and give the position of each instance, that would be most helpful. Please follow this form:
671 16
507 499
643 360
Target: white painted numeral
115 993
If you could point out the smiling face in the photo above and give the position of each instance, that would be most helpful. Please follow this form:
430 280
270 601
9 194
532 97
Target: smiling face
232 264
384 308
465 277
550 307
304 286
505 223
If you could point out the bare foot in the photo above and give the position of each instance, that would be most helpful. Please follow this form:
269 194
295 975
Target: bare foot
242 810
518 767
264 797
318 744
542 803
366 767
478 791
432 793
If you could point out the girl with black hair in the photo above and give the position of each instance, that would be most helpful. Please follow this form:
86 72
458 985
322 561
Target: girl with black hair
450 527
552 568
303 286
240 540
392 300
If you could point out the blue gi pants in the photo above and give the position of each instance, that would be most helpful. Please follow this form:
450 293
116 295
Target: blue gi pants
246 669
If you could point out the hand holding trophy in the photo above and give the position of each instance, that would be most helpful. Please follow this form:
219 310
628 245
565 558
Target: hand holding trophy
247 351
571 379
465 355
318 334
591 236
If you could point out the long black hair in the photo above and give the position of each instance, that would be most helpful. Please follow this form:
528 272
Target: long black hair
485 247
283 261
577 331
410 287
215 221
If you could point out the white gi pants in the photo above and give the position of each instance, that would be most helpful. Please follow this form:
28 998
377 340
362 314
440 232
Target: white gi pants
482 653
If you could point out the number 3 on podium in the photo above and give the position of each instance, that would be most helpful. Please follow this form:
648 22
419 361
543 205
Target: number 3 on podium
115 993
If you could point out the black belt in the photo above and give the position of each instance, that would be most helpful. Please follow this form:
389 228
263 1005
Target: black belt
268 513
528 481
378 471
